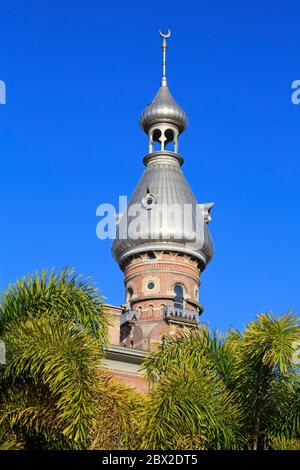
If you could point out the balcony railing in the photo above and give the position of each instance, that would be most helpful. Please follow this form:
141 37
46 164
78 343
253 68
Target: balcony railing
128 316
180 314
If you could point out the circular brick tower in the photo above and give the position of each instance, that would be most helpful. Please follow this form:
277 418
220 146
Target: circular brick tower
163 242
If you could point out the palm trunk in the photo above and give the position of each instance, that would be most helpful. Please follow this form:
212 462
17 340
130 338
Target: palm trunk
256 431
259 407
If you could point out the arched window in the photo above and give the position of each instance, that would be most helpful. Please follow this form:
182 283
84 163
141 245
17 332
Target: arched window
151 308
178 300
129 294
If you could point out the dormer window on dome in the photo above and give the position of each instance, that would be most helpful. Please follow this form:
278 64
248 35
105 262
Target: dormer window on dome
148 201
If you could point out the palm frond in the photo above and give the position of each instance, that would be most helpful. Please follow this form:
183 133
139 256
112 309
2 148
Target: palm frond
66 295
60 360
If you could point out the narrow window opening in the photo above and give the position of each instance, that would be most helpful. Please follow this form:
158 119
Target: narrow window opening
178 300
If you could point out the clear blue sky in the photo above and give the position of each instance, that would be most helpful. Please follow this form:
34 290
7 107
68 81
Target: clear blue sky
78 75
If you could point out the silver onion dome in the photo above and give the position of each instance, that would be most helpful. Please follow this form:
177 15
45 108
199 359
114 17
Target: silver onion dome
163 109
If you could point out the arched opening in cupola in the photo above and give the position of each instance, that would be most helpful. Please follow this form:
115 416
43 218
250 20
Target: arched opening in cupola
155 140
169 140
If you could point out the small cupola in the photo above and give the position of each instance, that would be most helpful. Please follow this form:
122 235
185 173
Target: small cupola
163 119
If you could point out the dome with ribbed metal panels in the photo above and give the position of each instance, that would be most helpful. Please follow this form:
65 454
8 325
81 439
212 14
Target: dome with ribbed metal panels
155 215
164 109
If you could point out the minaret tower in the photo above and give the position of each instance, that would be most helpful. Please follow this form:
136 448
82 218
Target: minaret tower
163 242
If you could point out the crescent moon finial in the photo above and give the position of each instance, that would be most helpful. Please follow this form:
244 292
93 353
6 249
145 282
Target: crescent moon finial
165 36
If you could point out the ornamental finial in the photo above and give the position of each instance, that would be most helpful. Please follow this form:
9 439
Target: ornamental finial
164 50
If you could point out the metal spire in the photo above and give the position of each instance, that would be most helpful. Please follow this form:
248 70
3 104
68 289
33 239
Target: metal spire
164 50
163 109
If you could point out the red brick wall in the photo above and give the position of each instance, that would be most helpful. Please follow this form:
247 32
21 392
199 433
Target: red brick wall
166 270
134 380
114 323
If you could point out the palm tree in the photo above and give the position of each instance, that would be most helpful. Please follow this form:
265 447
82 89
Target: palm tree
265 379
53 392
189 406
208 391
240 390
